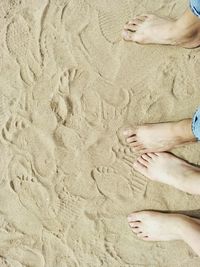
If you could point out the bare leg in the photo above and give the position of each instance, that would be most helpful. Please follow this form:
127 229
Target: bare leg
160 136
152 29
156 226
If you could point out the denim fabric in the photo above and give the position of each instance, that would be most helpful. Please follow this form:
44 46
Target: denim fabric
196 124
195 7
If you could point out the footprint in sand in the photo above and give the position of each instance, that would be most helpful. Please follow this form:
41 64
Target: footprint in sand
41 147
8 9
31 193
59 107
69 207
73 9
64 101
110 241
177 82
110 184
69 138
110 116
103 109
18 40
101 55
124 154
64 83
55 50
58 253
112 18
126 157
13 257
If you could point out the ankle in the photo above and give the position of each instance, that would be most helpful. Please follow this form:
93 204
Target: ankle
183 129
191 181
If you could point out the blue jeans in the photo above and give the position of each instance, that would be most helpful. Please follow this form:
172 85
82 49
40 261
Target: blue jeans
196 124
195 7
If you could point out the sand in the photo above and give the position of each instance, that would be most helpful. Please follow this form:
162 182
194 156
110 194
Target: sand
68 85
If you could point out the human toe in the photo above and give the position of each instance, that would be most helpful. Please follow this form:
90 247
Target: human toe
142 161
146 157
139 216
140 167
131 139
152 155
143 236
131 27
135 21
135 224
133 217
136 144
129 132
128 35
136 230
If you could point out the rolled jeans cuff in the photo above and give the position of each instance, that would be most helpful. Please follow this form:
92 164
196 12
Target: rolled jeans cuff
196 124
195 7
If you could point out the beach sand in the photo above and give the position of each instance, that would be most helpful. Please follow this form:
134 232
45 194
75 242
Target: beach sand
68 86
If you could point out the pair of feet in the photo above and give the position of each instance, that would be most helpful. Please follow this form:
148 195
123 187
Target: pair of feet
150 141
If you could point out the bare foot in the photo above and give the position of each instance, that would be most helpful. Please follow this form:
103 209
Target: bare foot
166 168
156 226
160 137
151 29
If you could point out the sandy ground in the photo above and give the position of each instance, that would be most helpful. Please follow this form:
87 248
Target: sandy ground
68 84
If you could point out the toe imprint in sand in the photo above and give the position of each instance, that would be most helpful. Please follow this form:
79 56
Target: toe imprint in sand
124 154
32 194
64 83
13 125
9 8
